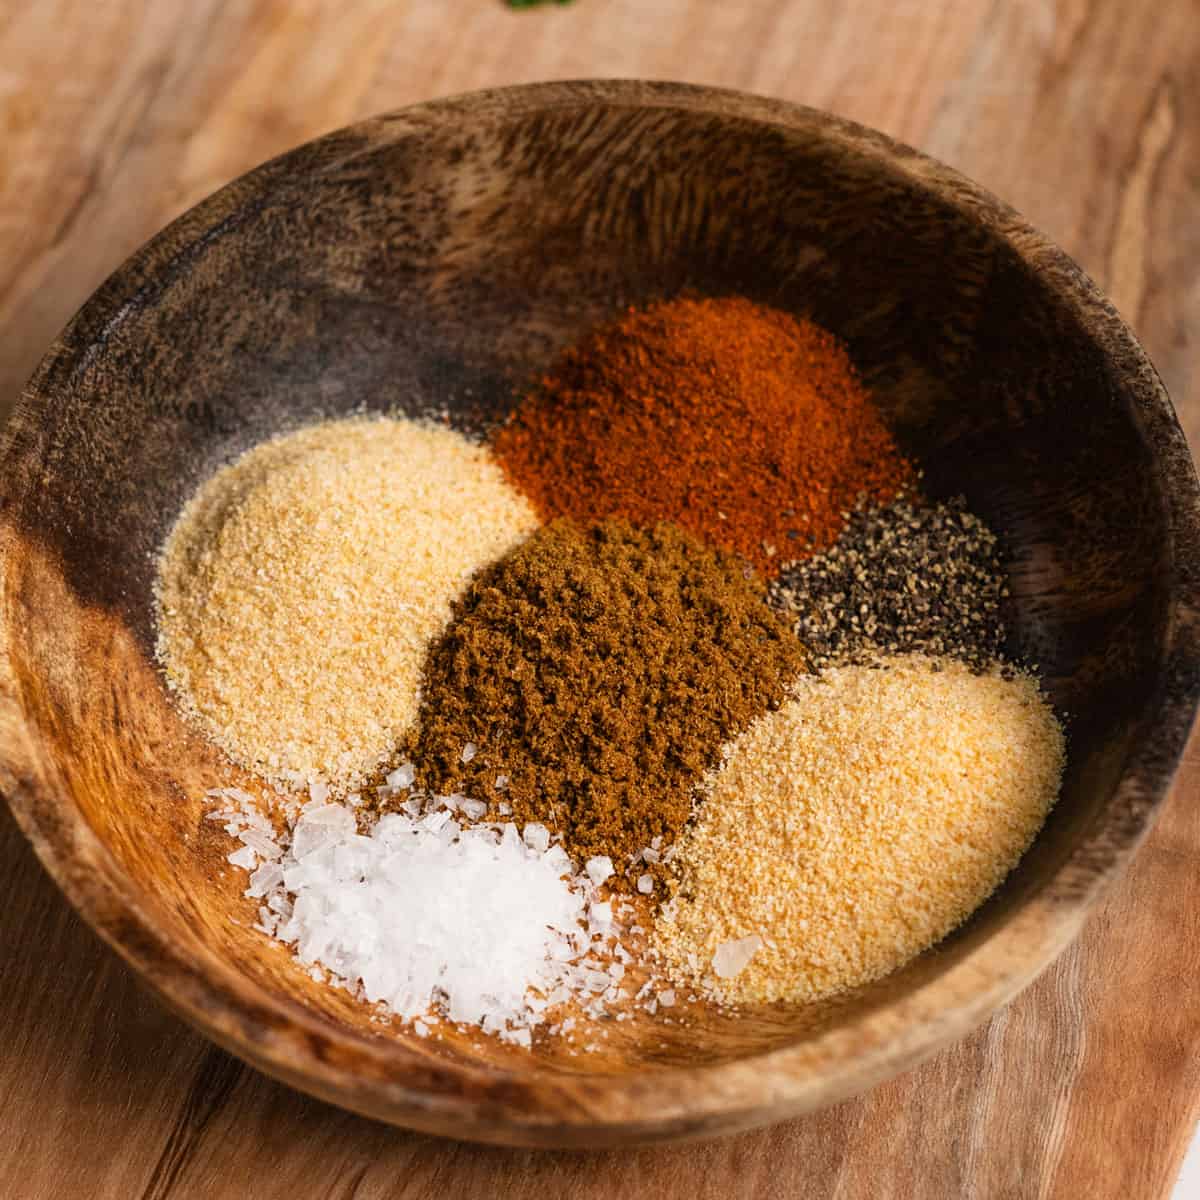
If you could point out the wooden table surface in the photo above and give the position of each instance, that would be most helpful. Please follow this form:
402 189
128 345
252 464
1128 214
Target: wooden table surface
117 115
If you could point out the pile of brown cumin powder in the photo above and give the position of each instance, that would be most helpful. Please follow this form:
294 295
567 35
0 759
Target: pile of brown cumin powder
589 678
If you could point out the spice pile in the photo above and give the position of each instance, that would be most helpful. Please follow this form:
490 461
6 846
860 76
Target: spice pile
396 912
592 676
742 424
901 580
300 589
862 822
676 689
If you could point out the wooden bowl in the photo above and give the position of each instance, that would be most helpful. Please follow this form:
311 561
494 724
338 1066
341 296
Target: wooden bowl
444 253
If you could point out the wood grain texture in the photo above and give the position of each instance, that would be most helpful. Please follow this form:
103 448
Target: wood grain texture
429 258
117 116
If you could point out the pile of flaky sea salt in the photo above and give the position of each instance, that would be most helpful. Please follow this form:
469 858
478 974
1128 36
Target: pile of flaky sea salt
435 918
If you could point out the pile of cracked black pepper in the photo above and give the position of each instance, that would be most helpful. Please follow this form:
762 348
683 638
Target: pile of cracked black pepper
902 579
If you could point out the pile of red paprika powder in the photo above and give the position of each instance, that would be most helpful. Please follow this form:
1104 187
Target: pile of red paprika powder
742 424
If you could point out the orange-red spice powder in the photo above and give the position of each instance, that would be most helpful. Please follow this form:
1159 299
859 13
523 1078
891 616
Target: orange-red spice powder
737 421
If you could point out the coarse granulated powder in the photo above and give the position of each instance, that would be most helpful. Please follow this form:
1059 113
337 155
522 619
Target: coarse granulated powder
858 824
301 587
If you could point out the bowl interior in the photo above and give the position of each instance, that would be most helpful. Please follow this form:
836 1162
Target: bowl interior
437 260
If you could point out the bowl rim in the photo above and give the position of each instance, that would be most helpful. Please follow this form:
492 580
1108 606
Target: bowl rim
288 1042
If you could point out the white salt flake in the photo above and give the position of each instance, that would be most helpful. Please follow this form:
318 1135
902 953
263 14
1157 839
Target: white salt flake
468 752
246 857
645 884
327 814
479 922
559 859
258 841
734 956
435 821
268 877
599 868
666 998
536 837
402 777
